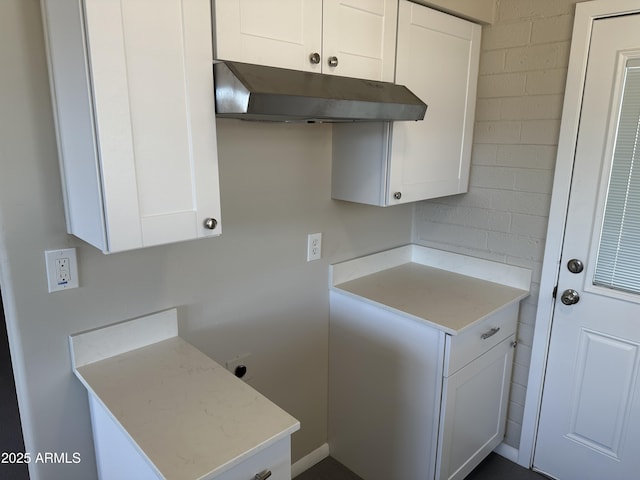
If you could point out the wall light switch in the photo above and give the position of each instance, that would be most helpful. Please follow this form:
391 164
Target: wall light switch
62 269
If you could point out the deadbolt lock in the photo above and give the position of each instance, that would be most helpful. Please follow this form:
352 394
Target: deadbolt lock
575 266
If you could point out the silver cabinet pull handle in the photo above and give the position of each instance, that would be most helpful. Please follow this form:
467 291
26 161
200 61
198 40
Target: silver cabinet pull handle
263 475
333 61
490 333
314 58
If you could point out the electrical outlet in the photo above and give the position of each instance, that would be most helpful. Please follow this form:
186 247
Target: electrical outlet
240 366
62 273
314 246
62 269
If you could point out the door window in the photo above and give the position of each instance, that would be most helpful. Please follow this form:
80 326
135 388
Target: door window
618 261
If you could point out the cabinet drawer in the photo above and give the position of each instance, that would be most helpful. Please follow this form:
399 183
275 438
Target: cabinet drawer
469 345
275 458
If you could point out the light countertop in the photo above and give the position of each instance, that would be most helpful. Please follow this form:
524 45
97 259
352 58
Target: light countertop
188 415
448 291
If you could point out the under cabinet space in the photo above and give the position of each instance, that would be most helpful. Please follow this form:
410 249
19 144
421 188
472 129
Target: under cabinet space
134 110
392 163
336 37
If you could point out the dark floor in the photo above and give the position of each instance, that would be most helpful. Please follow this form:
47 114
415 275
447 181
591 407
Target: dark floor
494 467
11 431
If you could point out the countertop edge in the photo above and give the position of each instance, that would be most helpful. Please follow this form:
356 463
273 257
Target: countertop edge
426 321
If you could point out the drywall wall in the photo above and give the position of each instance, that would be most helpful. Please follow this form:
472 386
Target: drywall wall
248 291
523 65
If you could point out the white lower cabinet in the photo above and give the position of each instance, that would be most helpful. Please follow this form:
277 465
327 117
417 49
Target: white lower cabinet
474 410
409 401
118 458
161 409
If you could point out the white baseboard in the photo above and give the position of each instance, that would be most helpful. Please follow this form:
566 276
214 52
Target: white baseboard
309 460
507 451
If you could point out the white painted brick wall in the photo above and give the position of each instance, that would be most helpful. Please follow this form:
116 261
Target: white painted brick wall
503 217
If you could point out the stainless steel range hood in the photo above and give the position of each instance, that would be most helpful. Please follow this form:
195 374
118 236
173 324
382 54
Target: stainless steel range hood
255 92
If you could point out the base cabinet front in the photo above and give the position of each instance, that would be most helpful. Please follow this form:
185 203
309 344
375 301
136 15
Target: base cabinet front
397 408
474 411
385 373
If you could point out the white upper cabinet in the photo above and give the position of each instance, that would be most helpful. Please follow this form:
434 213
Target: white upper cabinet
354 38
438 56
277 33
392 163
133 94
361 36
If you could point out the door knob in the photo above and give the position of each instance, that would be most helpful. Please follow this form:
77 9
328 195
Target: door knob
570 297
575 266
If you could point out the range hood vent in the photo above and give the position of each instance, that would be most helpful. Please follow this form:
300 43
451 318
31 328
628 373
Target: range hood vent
256 92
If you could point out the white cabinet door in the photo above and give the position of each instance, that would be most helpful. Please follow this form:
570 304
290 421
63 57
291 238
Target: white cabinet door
437 59
473 417
360 34
146 173
277 33
391 163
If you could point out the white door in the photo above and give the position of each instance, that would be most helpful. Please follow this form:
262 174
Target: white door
589 424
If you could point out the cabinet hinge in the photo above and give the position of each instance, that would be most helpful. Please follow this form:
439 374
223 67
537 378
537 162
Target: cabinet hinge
555 291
